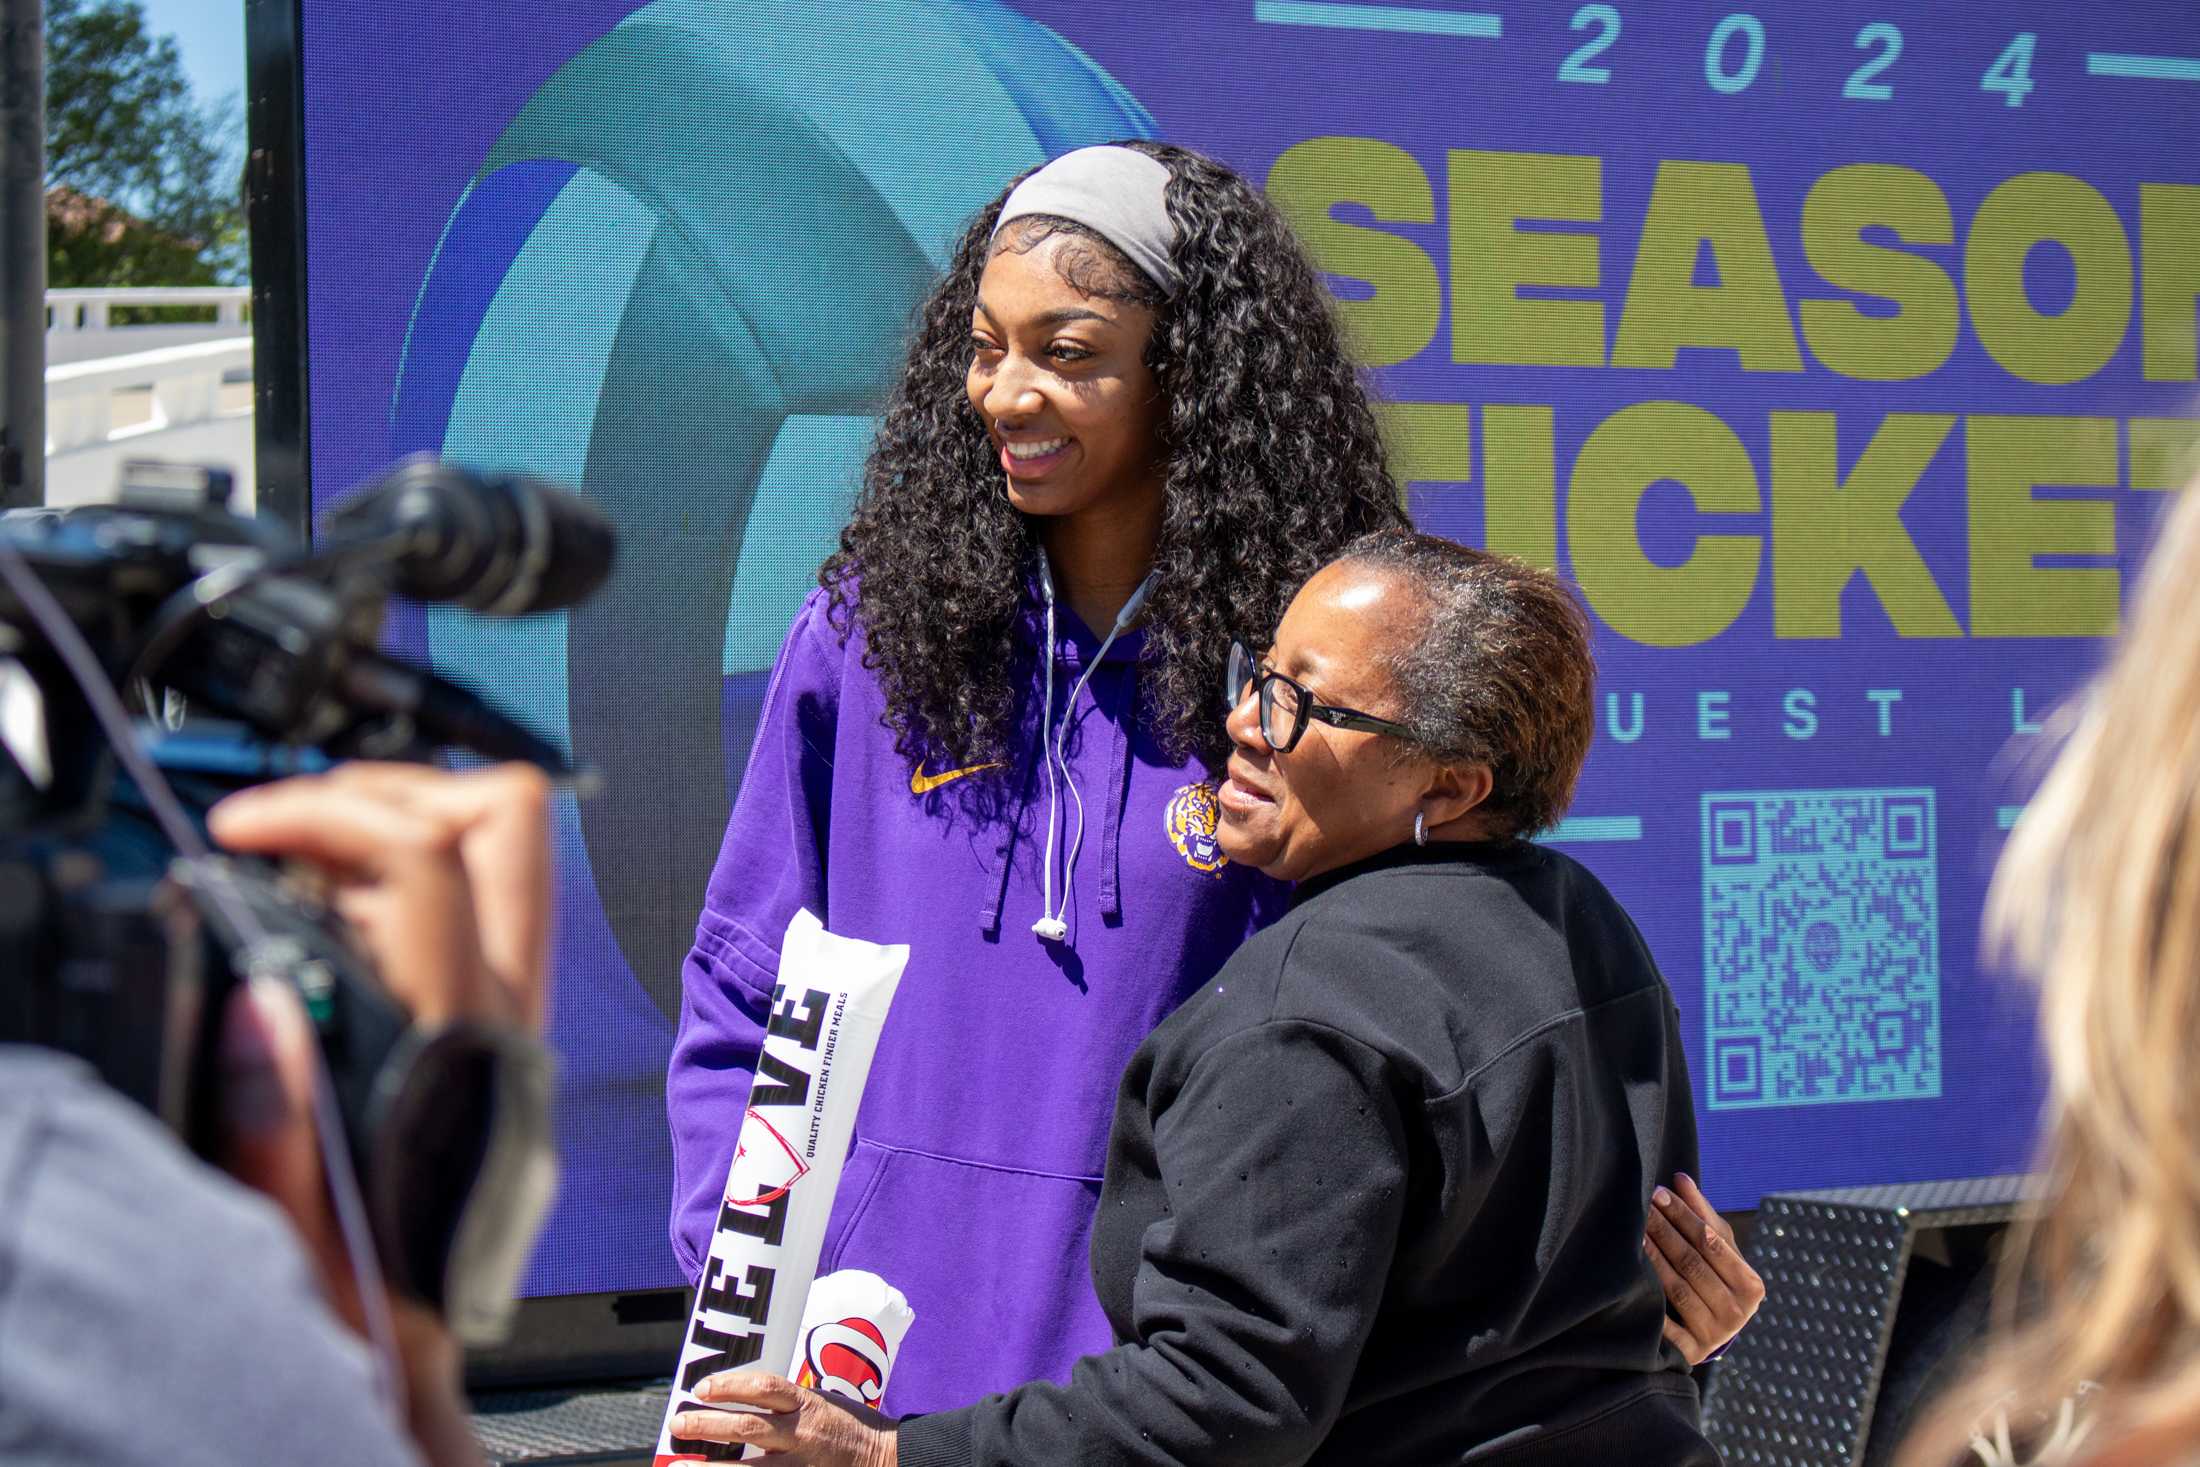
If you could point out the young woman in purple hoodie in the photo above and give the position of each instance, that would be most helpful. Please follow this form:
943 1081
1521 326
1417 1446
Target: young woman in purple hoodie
1127 430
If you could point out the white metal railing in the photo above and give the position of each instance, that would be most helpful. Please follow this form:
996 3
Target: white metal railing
185 382
177 390
83 325
93 310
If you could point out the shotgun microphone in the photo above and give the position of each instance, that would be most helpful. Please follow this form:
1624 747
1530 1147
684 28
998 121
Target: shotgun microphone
499 544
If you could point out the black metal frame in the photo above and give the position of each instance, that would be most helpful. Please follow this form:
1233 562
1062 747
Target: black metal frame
275 207
22 254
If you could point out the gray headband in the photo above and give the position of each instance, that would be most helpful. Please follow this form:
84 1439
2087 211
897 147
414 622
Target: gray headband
1118 193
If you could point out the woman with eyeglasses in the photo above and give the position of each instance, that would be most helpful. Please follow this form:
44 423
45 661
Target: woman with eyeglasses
1126 431
1374 1195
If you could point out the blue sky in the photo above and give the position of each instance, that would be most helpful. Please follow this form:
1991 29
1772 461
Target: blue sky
210 33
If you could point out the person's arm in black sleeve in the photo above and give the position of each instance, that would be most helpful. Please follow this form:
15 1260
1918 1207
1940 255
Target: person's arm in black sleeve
1284 1158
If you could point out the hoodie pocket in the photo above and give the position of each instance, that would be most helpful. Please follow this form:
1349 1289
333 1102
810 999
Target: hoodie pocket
994 1262
858 1180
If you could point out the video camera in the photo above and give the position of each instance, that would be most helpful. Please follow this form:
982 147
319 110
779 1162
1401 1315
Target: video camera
123 936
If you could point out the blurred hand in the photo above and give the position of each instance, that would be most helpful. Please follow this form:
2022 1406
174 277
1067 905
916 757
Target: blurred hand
1707 1281
446 878
796 1427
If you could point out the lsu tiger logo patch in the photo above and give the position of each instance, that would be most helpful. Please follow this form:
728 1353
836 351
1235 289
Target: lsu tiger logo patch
1190 819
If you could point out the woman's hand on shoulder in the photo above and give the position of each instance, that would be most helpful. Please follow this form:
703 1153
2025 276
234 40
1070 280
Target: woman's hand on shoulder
801 1428
1708 1283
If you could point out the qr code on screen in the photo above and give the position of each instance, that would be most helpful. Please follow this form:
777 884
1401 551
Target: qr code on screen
1821 947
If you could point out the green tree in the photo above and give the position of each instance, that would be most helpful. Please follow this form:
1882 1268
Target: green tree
143 180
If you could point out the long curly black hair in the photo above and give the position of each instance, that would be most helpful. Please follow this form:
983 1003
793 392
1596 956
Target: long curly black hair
1274 463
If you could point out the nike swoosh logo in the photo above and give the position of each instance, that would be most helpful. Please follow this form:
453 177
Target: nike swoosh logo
921 783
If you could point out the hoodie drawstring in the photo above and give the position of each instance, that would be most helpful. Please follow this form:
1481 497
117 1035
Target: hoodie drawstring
1111 827
989 915
1004 854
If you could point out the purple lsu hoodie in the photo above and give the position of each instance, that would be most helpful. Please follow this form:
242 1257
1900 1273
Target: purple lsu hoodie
983 1130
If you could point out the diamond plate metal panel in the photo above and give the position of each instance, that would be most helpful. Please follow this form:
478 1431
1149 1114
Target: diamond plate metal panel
1933 1197
1798 1386
595 1426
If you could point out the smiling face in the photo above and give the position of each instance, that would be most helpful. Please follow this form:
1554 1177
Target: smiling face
1340 795
1060 380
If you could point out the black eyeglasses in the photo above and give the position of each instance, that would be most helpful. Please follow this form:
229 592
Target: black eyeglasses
1286 707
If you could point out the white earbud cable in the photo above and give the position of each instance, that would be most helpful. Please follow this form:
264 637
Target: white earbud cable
1069 867
1053 925
1047 927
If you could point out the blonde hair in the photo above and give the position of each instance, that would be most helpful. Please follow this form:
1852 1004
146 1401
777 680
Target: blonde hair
2098 895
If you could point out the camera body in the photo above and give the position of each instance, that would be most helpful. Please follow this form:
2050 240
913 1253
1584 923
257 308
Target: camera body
125 950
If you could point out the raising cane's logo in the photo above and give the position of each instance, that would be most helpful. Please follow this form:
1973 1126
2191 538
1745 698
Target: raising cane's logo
765 1167
847 1358
1191 819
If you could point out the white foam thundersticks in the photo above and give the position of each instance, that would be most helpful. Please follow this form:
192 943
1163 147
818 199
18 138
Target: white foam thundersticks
826 1014
851 1333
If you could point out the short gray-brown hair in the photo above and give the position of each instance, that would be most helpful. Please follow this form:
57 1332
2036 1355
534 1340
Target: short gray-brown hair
1497 671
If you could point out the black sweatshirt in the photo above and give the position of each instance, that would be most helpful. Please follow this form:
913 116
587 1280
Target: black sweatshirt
1376 1195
